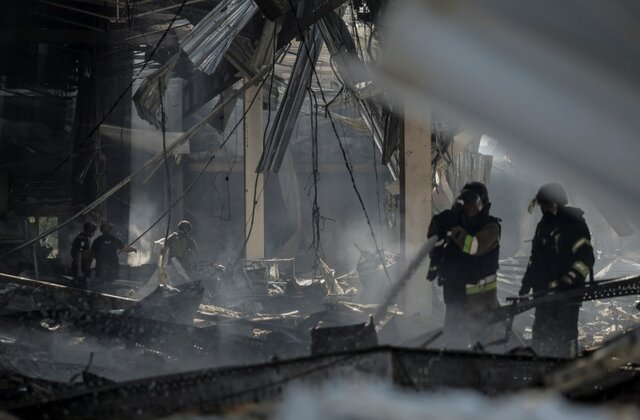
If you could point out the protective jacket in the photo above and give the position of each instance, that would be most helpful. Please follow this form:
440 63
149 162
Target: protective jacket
561 259
105 250
561 255
466 254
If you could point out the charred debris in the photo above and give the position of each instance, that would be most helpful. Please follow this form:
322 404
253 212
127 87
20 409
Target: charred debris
282 132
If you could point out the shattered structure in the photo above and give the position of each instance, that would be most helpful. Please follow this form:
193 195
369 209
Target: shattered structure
308 143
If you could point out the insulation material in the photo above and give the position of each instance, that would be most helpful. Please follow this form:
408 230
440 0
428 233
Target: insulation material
207 44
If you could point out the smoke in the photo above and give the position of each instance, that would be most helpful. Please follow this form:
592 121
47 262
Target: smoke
515 179
519 82
371 399
145 246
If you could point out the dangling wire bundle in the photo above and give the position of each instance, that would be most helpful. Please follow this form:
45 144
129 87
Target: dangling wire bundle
316 244
163 126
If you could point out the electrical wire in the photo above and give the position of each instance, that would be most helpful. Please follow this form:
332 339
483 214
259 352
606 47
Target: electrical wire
316 243
342 149
202 171
219 198
163 126
354 28
336 95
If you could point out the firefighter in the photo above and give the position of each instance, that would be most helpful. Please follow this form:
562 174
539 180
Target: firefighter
464 262
561 259
180 245
105 251
81 255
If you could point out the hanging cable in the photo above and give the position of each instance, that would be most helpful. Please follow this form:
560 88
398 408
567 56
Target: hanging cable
202 171
163 126
316 243
220 216
335 97
342 149
354 28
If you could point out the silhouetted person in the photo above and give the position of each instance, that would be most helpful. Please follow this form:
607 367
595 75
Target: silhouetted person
561 259
465 261
180 245
81 257
105 251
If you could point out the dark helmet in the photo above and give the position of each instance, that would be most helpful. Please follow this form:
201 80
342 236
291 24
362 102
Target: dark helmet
106 227
90 227
184 225
476 189
552 193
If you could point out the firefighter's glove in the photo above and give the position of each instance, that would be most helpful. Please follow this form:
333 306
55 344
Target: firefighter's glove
524 290
458 236
432 273
568 280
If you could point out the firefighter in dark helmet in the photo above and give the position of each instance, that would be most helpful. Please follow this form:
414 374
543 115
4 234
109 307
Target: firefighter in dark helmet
561 260
464 262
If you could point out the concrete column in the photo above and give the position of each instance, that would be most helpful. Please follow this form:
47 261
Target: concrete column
253 182
416 196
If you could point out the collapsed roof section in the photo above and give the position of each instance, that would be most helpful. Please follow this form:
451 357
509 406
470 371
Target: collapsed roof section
210 39
219 38
343 52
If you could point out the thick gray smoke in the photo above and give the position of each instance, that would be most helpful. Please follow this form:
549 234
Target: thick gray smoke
516 80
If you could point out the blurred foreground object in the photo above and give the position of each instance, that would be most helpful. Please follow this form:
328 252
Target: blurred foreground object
558 78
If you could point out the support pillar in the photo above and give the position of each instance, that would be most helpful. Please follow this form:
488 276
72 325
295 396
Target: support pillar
253 182
416 204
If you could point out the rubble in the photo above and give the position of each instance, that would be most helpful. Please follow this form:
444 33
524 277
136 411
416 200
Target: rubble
147 339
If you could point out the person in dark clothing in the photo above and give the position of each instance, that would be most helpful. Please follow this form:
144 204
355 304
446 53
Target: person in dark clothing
81 257
105 251
464 262
561 259
180 245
